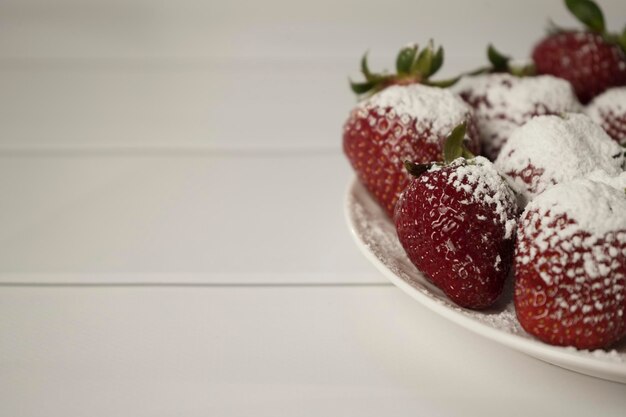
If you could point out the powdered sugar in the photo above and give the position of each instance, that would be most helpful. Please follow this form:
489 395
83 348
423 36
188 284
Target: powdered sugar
613 99
609 111
549 150
615 181
607 355
596 208
436 109
479 178
591 216
502 102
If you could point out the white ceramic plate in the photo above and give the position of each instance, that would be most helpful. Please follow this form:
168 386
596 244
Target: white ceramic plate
375 235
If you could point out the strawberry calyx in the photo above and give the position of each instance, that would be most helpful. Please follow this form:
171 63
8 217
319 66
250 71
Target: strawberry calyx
412 67
501 63
416 169
590 15
453 148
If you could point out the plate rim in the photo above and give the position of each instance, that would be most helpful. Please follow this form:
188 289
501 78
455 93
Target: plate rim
560 356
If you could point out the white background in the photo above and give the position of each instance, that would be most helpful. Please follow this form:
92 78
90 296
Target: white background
184 158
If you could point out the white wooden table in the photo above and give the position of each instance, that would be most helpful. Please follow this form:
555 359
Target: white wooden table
172 240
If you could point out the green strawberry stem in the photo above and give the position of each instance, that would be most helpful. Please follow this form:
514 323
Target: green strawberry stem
412 67
416 67
588 13
416 169
502 63
453 148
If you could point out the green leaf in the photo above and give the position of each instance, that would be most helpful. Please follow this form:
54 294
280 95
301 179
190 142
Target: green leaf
478 71
365 68
588 12
443 83
437 61
405 59
622 40
416 169
424 62
527 70
498 61
453 146
361 88
467 154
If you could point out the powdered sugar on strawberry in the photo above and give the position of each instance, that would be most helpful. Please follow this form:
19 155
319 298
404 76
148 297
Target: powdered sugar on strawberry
502 102
549 150
435 109
582 219
615 181
613 99
593 207
479 179
571 264
609 111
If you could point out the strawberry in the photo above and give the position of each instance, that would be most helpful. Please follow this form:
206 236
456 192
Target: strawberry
549 150
570 265
505 96
456 223
503 102
609 111
592 60
406 118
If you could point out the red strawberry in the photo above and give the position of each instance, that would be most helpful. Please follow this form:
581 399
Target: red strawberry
609 111
504 96
503 102
402 121
549 150
591 61
456 223
570 265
